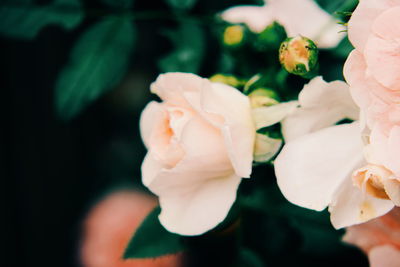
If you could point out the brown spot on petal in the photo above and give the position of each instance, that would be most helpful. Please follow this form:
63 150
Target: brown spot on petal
366 211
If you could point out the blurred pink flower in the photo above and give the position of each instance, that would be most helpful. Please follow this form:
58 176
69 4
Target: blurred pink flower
299 17
379 239
110 225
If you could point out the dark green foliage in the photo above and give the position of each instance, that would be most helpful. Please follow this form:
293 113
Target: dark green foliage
97 62
152 240
24 20
188 41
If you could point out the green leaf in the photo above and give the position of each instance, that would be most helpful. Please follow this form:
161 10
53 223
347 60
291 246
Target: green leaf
98 61
152 240
118 3
189 49
24 20
181 4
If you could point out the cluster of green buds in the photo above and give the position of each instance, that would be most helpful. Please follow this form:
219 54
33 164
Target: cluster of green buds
299 56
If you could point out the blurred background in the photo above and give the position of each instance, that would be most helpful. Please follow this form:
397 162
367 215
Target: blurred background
59 159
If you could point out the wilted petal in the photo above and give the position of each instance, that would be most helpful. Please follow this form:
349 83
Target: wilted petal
352 206
201 209
310 168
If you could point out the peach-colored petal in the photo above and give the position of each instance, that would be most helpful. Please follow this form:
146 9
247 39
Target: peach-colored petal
201 209
383 230
109 227
382 54
310 168
151 114
206 158
171 86
352 206
361 21
384 256
393 157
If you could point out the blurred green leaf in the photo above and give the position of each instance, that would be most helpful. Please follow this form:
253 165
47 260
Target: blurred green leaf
152 240
248 258
343 49
181 4
25 20
97 62
271 37
189 49
118 3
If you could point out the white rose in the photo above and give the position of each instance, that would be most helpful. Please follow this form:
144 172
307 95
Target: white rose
200 142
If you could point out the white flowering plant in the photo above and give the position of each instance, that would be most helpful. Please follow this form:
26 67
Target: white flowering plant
264 129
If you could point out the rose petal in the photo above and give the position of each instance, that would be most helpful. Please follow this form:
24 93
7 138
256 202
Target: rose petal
268 116
383 60
392 189
257 18
200 210
171 86
149 116
322 104
351 206
306 18
384 256
238 127
311 168
361 21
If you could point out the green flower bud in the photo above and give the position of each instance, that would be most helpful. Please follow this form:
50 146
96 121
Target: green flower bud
233 35
299 56
226 79
263 97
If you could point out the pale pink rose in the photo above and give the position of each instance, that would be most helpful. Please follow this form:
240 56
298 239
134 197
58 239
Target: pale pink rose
373 73
379 239
299 17
111 224
200 142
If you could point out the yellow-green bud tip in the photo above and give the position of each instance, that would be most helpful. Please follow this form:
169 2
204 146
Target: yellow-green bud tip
226 79
262 97
298 55
233 35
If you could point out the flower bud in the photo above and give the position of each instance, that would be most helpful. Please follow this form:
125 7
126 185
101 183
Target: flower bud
299 56
233 35
263 97
226 79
